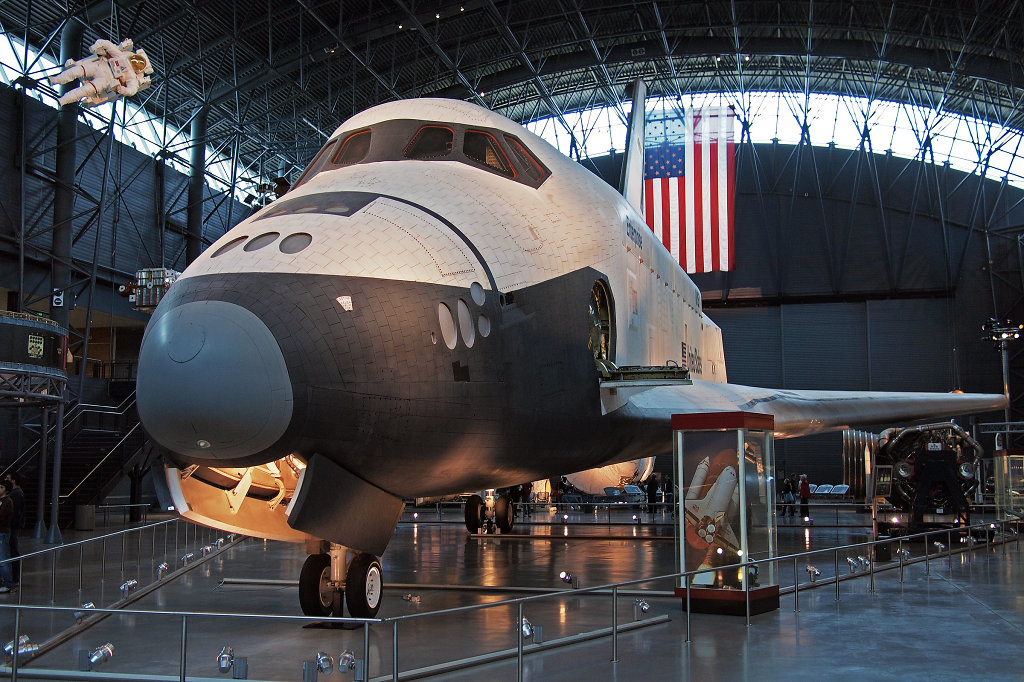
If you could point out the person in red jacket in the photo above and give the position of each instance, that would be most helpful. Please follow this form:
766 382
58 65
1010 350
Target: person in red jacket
805 497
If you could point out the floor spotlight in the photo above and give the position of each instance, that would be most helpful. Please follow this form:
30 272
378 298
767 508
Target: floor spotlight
569 579
864 562
161 569
187 558
346 660
640 606
218 543
225 659
527 628
324 663
101 654
903 554
80 615
853 564
939 546
752 575
127 586
813 573
206 550
25 649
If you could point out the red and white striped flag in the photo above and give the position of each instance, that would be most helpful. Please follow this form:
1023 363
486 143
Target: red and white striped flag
689 191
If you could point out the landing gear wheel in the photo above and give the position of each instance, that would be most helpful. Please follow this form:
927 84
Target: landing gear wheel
504 514
363 586
474 513
316 594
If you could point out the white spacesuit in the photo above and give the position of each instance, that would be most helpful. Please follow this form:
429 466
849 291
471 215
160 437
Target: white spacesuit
112 71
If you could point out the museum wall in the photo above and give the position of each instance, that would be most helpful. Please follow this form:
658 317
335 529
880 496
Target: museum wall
130 238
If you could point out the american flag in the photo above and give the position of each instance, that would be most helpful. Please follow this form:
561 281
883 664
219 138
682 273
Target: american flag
689 191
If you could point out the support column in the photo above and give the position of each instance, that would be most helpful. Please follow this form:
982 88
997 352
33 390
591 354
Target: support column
194 239
44 452
53 536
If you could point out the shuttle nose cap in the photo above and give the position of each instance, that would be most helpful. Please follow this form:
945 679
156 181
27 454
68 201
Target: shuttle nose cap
213 384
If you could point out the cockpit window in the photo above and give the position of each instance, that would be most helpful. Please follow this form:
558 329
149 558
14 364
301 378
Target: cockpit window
353 149
533 168
318 162
430 142
487 149
483 148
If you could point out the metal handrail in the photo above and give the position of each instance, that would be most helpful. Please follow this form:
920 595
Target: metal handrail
200 614
104 459
73 414
612 587
77 543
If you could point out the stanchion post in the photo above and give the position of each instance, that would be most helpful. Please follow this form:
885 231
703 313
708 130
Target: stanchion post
394 647
686 579
837 573
615 623
53 575
949 551
366 651
746 589
184 648
17 633
519 644
871 571
796 588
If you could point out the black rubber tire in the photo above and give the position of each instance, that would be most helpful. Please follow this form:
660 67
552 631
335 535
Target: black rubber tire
474 509
316 596
504 514
364 586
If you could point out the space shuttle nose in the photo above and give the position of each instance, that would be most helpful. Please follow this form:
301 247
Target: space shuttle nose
213 385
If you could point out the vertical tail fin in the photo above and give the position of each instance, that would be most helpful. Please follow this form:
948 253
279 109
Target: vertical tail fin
631 182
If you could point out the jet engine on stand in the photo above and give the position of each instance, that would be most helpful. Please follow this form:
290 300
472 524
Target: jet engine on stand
923 475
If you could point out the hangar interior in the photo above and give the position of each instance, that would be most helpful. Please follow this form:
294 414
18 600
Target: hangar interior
878 200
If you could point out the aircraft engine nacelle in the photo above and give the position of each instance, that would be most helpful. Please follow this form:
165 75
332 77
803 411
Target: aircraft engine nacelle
594 481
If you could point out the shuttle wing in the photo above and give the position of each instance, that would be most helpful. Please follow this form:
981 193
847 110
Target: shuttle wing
798 413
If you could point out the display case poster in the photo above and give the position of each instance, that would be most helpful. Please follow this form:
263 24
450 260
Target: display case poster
711 503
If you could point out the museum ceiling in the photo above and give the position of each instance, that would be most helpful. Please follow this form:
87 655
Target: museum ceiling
278 76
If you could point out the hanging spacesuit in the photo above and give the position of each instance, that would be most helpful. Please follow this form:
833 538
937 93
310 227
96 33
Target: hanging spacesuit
113 71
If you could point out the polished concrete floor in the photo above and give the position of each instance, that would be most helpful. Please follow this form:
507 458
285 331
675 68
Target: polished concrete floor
954 618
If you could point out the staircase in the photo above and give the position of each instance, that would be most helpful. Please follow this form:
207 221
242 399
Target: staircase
101 445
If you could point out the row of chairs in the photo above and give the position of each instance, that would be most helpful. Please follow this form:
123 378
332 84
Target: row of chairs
828 491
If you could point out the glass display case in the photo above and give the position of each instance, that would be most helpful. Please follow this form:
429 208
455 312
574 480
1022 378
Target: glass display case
726 510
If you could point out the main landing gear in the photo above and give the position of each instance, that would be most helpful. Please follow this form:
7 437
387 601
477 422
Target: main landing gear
489 514
327 577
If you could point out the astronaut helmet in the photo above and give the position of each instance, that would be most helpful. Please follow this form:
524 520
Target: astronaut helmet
140 62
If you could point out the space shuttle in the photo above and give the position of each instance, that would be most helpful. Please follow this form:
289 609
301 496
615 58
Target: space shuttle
443 302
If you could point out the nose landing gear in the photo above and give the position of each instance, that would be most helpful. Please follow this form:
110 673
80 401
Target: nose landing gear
493 513
341 572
